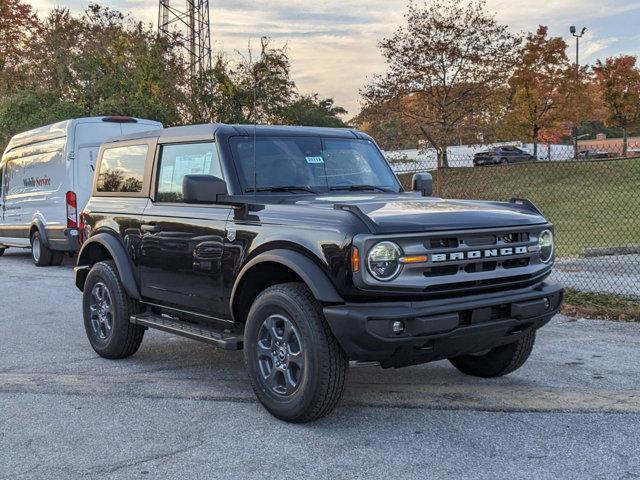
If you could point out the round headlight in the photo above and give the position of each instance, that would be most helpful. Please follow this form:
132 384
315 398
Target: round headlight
545 241
383 261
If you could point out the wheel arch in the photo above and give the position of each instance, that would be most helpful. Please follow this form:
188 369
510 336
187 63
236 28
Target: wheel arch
274 267
38 225
105 246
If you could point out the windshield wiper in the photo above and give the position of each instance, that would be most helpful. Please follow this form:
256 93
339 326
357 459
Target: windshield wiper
356 188
284 188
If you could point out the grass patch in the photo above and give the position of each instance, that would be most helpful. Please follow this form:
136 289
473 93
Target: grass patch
593 204
605 306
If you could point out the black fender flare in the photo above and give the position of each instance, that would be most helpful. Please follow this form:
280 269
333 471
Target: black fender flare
117 251
310 273
41 230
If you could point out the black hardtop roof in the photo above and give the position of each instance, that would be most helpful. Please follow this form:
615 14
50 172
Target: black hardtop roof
209 130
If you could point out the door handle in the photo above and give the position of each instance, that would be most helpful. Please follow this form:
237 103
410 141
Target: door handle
150 228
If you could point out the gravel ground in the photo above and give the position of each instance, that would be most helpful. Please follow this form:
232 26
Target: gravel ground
180 409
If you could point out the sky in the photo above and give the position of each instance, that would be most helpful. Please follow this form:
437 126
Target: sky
332 44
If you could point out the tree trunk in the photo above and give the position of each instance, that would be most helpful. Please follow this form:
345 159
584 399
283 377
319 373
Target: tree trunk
574 131
444 163
549 151
625 141
534 137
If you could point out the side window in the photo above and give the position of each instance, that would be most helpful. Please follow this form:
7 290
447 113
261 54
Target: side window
178 160
122 169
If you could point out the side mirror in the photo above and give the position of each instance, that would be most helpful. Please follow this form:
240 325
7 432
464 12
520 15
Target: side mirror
423 182
203 188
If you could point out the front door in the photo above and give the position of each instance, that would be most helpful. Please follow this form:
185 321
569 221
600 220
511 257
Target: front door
183 245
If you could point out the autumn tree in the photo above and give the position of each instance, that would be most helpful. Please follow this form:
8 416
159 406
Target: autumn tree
18 24
539 86
618 84
446 65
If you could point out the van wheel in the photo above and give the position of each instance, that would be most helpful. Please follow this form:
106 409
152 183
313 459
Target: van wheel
107 309
56 258
296 367
40 253
498 361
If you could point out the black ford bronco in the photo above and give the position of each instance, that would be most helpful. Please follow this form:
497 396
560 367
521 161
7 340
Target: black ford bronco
300 246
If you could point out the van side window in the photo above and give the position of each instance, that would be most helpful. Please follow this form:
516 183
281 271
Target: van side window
178 160
122 169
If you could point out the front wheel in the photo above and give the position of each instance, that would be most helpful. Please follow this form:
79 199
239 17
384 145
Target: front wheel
498 361
2 250
296 367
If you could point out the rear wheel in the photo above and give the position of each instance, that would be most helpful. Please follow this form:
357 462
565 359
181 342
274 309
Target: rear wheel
107 309
2 250
296 366
498 361
504 161
40 253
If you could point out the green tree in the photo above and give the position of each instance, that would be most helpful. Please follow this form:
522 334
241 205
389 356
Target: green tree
25 110
310 110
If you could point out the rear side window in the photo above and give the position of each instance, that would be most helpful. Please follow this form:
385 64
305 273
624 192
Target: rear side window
122 169
178 160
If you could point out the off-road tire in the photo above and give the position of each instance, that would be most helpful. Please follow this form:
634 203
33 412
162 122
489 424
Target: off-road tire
326 364
40 253
56 258
498 361
125 338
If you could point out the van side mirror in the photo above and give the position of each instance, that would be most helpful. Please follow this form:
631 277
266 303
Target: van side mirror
423 182
203 188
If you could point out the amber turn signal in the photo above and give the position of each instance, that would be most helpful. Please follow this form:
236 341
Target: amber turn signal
355 259
415 259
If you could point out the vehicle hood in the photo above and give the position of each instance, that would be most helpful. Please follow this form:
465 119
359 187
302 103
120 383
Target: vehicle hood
409 212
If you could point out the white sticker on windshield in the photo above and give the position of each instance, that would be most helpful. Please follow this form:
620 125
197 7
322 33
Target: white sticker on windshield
314 159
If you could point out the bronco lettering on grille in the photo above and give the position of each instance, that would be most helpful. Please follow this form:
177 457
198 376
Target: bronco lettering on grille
475 254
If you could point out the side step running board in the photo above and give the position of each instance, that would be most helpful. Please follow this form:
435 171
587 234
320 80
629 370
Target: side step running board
226 341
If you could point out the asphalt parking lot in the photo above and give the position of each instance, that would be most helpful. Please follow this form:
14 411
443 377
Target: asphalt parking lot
180 409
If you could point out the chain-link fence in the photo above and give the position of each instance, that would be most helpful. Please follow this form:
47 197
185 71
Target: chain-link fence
591 194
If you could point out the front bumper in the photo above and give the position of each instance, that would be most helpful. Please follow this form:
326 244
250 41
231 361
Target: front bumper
442 328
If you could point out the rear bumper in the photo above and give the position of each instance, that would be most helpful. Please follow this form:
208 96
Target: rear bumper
443 328
66 240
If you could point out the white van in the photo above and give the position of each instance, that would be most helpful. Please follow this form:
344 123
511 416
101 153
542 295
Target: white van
46 176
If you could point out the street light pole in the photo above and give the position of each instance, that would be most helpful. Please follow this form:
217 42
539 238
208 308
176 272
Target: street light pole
573 31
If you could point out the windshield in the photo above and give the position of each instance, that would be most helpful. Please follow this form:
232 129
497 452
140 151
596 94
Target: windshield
311 164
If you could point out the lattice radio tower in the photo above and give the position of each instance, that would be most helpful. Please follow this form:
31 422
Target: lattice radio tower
192 21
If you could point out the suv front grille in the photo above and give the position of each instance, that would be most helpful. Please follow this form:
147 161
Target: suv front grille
467 261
